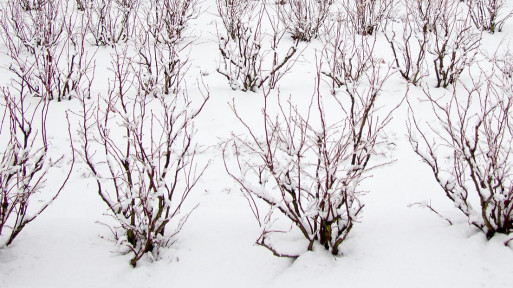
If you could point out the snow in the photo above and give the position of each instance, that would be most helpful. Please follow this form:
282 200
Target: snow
392 245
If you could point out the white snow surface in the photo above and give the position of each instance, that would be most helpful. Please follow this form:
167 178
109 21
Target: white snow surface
393 245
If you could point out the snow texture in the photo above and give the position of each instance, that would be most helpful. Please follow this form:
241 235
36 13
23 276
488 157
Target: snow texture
394 244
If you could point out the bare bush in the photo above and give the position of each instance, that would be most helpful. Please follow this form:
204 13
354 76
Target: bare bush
489 15
241 46
235 14
147 165
34 28
159 67
168 20
425 13
348 55
47 49
28 5
111 21
455 42
307 168
281 64
25 162
410 47
159 43
366 16
304 18
469 150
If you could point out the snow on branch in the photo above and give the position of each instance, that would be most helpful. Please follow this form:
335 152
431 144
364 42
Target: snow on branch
242 45
469 152
308 173
144 173
26 162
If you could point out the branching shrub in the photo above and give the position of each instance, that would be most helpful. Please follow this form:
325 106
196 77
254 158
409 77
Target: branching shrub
241 46
469 150
34 28
25 162
47 49
425 13
167 20
489 15
158 66
306 168
348 55
366 16
111 21
28 5
145 173
280 65
455 43
410 47
304 18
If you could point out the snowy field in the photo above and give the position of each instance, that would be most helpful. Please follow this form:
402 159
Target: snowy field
393 243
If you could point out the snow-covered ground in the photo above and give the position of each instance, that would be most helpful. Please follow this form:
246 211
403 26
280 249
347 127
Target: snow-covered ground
394 244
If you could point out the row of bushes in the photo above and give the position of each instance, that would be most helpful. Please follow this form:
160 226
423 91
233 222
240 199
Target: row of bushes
136 138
